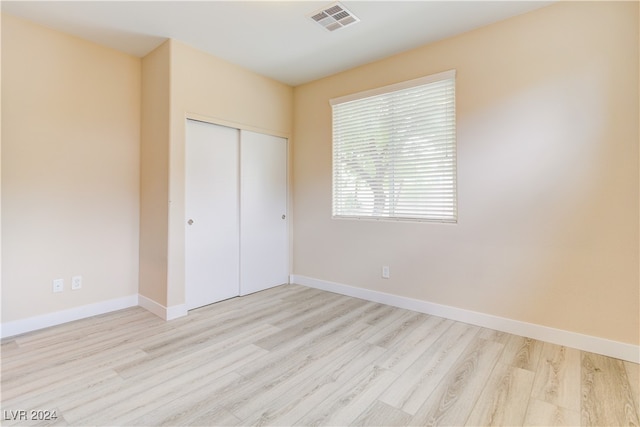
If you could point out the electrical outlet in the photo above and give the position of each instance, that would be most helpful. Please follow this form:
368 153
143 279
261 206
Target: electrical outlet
58 285
385 271
76 283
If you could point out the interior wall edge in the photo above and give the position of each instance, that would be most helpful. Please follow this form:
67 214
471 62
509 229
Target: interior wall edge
603 346
165 313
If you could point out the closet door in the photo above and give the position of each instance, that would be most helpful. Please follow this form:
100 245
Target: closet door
212 262
264 242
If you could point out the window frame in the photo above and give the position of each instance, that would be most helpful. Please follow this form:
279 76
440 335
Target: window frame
421 81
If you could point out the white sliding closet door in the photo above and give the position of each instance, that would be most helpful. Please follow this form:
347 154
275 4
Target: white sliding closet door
212 253
264 243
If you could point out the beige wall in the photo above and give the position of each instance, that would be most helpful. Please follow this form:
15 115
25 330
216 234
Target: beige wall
207 88
70 170
547 107
154 174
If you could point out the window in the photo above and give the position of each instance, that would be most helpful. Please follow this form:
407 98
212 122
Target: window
394 151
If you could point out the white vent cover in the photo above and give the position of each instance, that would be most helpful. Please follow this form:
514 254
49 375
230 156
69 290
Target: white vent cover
334 16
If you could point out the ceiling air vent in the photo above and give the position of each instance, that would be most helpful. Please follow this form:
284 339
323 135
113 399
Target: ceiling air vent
334 16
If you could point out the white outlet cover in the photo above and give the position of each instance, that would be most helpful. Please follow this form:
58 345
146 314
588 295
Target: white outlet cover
58 285
76 283
385 272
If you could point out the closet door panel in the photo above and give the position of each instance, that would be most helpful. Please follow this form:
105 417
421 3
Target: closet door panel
212 213
264 243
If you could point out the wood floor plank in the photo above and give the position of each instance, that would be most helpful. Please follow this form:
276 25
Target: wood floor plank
295 294
544 414
179 411
396 331
97 399
213 416
146 397
521 352
56 352
356 396
285 374
50 422
633 373
504 400
607 397
557 378
306 309
301 315
8 346
202 335
383 415
48 347
493 335
406 352
82 327
333 312
452 400
291 399
40 379
416 384
77 390
306 349
384 315
374 314
22 400
202 351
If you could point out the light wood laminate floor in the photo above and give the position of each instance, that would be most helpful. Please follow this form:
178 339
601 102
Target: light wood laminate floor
298 356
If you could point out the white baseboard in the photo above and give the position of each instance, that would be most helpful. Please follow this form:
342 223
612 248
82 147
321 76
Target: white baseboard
21 326
618 350
17 327
166 313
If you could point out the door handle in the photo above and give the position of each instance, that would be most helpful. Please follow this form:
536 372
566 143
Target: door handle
284 216
190 222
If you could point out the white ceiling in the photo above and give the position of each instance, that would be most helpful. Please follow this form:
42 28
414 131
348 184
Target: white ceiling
273 38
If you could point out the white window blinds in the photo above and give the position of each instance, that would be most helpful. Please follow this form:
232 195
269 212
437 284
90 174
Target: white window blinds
394 151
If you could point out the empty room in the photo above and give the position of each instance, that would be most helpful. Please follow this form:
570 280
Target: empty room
306 213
